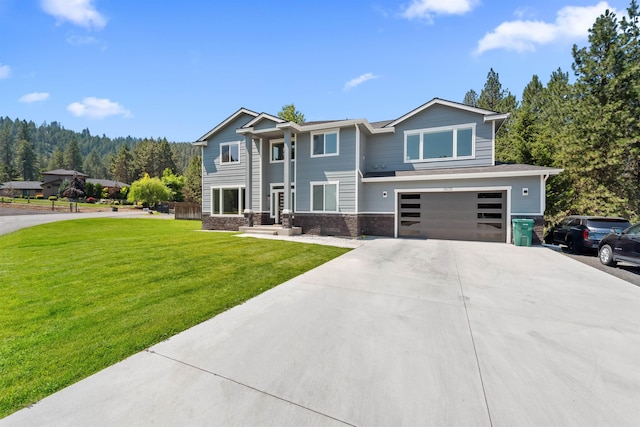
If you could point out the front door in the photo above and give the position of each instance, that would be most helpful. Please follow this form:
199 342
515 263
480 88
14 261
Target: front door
277 204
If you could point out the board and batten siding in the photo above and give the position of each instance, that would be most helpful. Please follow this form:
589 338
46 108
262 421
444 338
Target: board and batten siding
386 152
341 168
373 200
217 175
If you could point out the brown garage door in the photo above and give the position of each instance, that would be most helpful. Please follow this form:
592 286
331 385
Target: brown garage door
465 215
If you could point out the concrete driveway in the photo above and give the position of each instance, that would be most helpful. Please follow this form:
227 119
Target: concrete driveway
394 333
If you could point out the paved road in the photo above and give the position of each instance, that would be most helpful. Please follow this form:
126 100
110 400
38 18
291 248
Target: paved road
394 333
624 271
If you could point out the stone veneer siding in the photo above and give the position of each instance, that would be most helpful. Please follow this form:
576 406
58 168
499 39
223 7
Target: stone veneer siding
352 225
215 222
538 228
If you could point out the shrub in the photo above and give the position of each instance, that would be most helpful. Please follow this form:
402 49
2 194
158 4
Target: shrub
90 200
53 198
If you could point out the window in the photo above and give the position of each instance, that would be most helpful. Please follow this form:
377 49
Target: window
324 196
439 143
227 201
325 144
229 153
277 150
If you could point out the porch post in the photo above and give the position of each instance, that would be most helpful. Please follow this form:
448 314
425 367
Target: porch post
287 212
248 212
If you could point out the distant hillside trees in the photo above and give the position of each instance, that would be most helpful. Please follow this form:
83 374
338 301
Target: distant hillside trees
26 150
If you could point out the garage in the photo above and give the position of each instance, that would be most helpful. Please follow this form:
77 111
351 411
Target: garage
451 215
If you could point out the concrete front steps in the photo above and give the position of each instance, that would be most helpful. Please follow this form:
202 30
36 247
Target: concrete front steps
276 230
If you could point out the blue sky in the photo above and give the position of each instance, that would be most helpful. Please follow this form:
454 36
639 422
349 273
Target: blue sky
176 69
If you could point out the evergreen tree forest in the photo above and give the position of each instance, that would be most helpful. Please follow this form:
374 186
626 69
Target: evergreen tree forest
589 127
27 150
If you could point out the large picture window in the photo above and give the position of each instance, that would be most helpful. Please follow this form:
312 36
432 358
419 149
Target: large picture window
277 150
230 153
325 144
324 196
445 143
227 201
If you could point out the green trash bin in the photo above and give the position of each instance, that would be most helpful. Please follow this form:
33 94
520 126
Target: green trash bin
522 231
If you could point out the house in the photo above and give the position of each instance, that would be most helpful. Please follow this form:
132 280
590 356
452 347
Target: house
21 189
112 186
430 173
53 179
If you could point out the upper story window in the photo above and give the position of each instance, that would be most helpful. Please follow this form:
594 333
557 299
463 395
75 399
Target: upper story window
277 150
229 153
325 143
442 143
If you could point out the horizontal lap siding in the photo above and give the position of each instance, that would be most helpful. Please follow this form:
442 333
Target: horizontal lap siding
386 152
373 200
340 168
216 175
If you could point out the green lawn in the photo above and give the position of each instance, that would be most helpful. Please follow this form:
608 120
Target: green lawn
78 296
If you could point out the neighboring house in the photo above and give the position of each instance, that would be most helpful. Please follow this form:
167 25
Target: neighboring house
111 185
430 173
53 179
21 188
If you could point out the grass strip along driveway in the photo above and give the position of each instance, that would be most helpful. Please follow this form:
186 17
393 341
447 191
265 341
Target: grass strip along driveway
78 296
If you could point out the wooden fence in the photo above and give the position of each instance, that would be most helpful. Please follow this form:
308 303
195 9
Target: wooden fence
188 211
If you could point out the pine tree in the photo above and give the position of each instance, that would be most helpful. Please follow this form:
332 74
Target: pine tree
471 98
7 170
72 156
122 166
193 181
603 131
26 160
290 114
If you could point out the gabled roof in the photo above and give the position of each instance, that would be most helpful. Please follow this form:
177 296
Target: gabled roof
64 172
263 116
488 114
203 139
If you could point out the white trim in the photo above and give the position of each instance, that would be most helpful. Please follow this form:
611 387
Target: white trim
263 116
324 134
220 199
493 143
229 119
454 142
280 190
260 151
324 184
446 103
223 144
339 124
357 171
506 188
280 141
475 175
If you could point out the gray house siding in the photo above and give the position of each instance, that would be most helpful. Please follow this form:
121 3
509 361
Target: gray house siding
373 200
339 168
256 174
386 152
216 174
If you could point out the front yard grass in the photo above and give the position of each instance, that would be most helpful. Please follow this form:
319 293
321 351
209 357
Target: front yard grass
78 296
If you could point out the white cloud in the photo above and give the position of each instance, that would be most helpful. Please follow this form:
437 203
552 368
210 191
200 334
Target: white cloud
5 70
96 108
426 9
34 97
572 22
79 12
359 80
